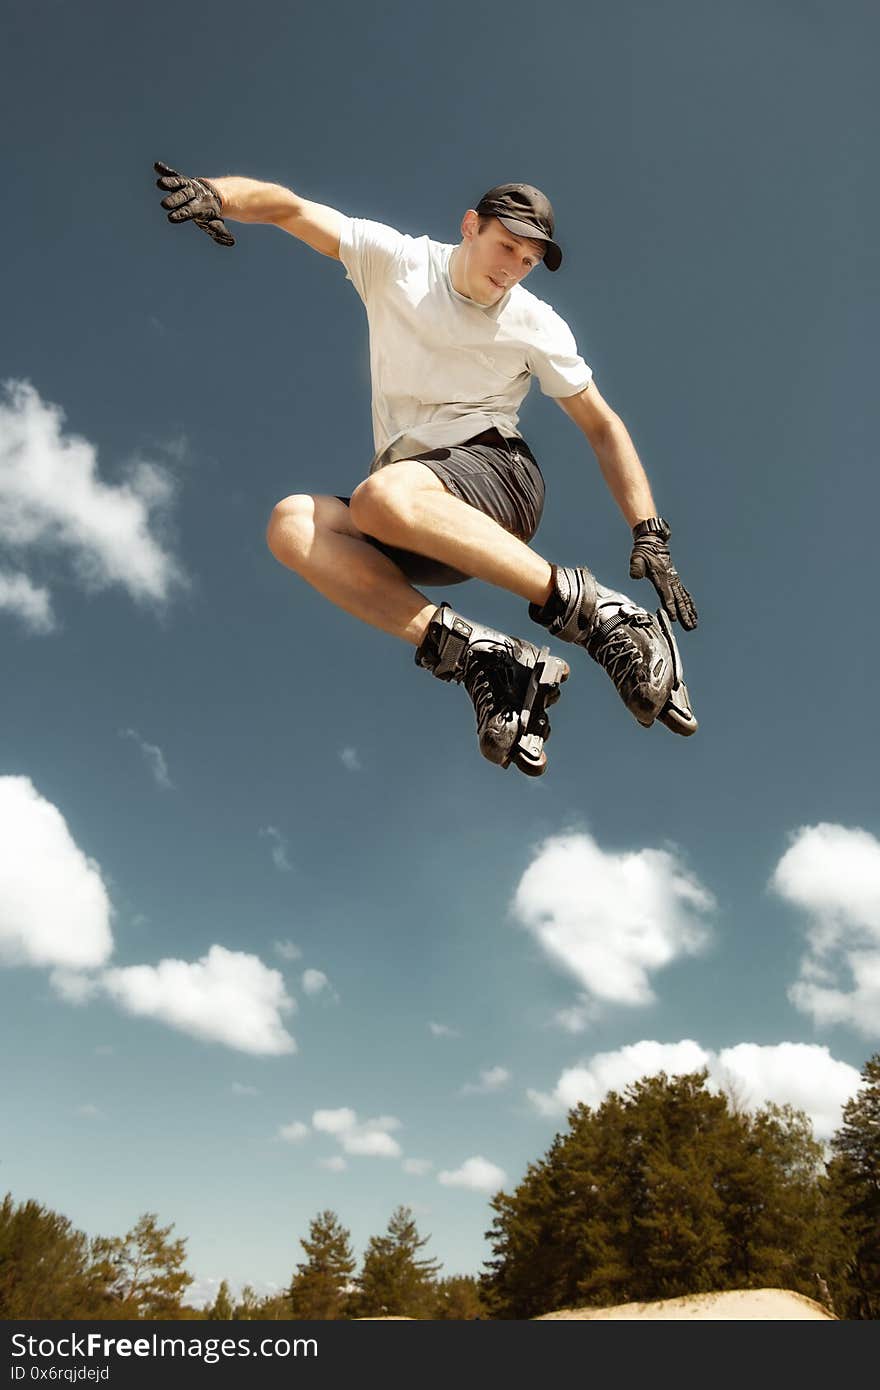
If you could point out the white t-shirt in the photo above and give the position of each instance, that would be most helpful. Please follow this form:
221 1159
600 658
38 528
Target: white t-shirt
443 367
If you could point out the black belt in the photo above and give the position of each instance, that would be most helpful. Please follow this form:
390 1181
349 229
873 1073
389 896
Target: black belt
492 436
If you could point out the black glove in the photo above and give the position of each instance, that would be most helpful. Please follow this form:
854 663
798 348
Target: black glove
650 556
194 200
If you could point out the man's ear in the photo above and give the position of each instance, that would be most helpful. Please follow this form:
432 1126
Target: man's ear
470 224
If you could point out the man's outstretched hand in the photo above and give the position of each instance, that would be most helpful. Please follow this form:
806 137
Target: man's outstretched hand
650 559
193 200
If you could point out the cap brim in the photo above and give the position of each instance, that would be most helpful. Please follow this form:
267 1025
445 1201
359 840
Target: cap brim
552 253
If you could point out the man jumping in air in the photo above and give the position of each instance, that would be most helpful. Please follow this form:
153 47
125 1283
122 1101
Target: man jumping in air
454 492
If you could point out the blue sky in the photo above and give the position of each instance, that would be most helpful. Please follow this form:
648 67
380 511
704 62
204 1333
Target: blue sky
273 936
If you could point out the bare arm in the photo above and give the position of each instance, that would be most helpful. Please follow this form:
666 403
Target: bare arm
615 451
249 200
631 491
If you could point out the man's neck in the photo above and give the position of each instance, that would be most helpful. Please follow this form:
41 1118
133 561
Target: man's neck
453 273
457 281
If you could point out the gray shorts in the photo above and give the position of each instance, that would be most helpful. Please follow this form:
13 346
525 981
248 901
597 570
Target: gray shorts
498 476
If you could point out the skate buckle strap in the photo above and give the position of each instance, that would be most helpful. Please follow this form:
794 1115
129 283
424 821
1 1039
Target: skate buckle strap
627 615
610 625
453 644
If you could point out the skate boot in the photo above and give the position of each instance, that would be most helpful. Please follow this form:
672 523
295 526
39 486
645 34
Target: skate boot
636 648
510 681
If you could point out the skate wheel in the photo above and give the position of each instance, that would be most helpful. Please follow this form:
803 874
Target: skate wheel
678 720
532 767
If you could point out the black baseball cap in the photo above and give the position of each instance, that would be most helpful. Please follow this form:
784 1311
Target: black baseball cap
525 211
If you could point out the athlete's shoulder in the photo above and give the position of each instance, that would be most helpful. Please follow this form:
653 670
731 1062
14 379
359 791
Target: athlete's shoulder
536 314
366 231
427 249
408 246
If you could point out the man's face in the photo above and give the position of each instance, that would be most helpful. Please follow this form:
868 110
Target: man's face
492 259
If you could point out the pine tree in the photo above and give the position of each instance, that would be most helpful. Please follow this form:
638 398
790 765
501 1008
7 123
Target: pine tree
321 1284
677 1240
776 1214
457 1298
547 1232
50 1270
621 1208
247 1308
854 1178
393 1282
273 1308
662 1191
221 1309
46 1270
143 1270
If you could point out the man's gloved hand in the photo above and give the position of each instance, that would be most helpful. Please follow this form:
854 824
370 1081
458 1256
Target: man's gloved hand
650 557
194 200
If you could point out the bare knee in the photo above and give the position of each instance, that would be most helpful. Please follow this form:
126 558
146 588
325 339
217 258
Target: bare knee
297 522
291 530
383 502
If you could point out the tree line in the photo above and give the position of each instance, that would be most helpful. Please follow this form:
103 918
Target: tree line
666 1189
50 1270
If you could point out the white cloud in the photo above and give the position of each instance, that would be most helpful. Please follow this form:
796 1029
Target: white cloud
417 1167
551 1104
334 1121
491 1079
279 848
369 1138
614 1071
53 502
350 759
89 1112
227 997
27 601
477 1173
832 873
240 1090
371 1142
314 981
335 1164
73 987
55 912
441 1030
798 1074
294 1133
54 907
611 919
153 755
287 950
578 1017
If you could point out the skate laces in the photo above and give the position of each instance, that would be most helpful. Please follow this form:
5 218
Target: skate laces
615 650
488 681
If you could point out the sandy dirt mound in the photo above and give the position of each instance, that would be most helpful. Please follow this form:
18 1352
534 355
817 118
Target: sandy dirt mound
754 1305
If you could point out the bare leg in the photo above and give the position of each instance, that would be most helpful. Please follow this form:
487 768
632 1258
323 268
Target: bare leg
316 537
405 504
